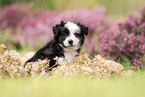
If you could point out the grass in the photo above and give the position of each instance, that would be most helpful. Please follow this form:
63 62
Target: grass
131 85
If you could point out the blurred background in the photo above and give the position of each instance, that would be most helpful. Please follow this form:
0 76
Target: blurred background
118 9
25 25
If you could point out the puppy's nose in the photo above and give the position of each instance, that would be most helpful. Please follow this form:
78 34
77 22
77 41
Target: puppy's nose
70 42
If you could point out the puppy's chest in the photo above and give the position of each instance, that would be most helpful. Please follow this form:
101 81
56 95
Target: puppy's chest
69 55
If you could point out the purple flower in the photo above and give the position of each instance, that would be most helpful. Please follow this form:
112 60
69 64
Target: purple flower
116 57
125 39
128 39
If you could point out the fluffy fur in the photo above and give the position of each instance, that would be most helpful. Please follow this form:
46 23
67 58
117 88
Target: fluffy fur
67 42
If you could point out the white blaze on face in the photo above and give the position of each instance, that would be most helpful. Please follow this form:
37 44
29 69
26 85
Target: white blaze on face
73 28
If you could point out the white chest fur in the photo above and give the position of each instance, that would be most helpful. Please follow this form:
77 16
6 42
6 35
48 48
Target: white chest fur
70 54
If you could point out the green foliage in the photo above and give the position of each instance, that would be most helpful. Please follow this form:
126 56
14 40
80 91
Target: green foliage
6 39
126 63
118 9
5 2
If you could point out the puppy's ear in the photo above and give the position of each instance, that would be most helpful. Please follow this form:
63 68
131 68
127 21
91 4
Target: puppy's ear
56 30
84 29
62 23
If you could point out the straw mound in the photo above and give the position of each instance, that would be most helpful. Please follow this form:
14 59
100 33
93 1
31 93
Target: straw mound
11 65
84 66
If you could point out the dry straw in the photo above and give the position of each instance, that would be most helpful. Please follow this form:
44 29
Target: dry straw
11 65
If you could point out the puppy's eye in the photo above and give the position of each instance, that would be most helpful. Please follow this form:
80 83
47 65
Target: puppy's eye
63 33
77 34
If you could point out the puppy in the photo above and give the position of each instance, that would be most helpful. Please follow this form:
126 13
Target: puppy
67 42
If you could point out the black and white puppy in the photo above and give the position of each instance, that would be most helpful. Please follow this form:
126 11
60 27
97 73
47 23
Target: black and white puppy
67 42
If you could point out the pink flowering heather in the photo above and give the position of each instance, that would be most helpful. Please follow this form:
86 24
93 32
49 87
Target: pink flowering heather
126 40
31 27
11 16
26 26
93 18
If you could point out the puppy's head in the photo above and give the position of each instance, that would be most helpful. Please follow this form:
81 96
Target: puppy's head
70 34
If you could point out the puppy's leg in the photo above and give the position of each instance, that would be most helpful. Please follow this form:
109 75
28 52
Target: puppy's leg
30 60
35 58
52 64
